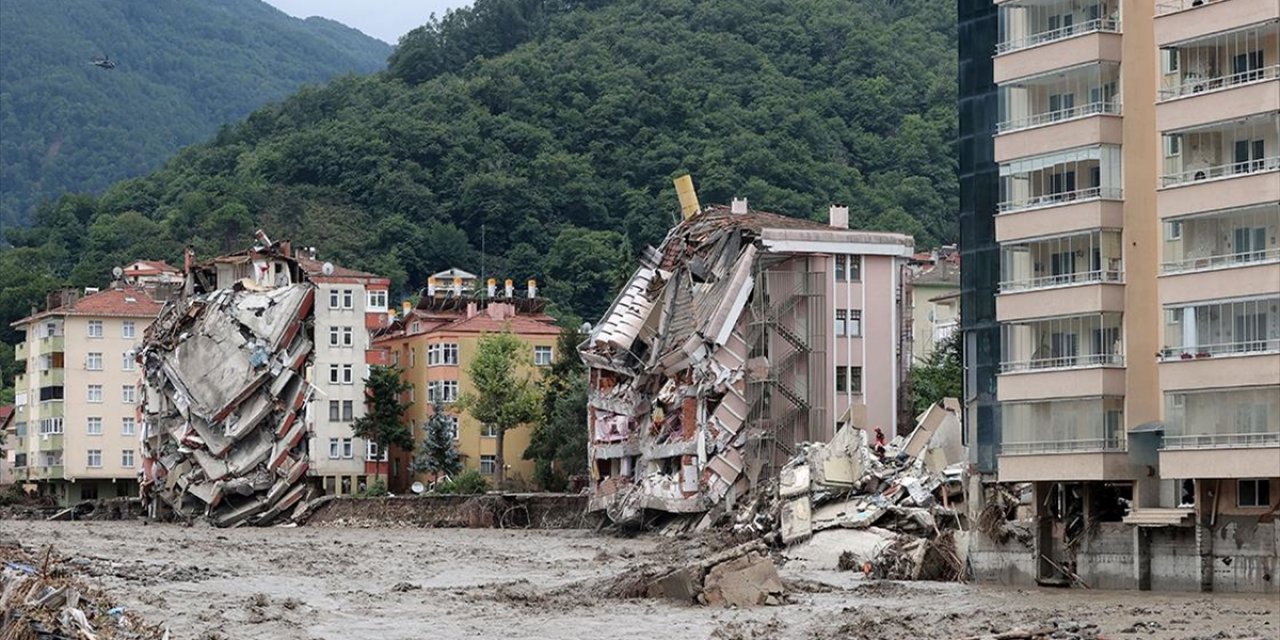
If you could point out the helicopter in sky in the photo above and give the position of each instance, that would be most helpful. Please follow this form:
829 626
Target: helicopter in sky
105 62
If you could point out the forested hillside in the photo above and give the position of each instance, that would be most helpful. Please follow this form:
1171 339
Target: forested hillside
184 67
547 132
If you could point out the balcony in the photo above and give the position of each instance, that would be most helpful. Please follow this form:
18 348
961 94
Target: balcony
1224 76
1040 35
48 442
1062 178
1222 433
20 351
1180 20
1071 356
1062 426
1221 240
1228 328
1084 258
1046 113
52 377
52 344
1224 165
53 472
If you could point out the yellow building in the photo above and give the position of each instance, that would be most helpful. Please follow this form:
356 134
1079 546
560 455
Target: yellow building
434 345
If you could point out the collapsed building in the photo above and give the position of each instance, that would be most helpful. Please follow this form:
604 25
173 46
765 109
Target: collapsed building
226 391
742 335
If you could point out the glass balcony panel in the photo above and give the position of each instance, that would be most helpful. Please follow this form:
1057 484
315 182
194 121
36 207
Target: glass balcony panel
1222 239
1222 418
1222 149
1057 178
1062 343
1029 23
1062 426
1061 95
1075 259
1234 327
1220 61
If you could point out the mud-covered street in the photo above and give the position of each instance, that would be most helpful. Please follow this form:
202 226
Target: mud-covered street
337 583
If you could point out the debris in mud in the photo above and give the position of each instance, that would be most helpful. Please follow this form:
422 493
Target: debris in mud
226 396
741 576
42 597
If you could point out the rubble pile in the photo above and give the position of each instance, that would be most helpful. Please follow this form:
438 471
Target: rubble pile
226 396
40 598
886 509
740 576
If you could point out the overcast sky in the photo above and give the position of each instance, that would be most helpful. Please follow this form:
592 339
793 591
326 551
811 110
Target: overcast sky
383 19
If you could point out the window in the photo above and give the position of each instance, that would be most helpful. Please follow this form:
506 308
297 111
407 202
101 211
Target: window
95 328
371 452
334 407
848 322
348 451
1253 493
1170 59
348 337
1173 230
334 375
333 299
126 458
348 411
334 451
1172 146
1250 242
127 363
1247 67
129 394
442 354
413 356
377 300
453 426
542 356
848 268
89 491
445 390
20 460
1249 155
333 336
94 427
347 374
348 299
488 465
95 393
94 361
488 431
841 270
95 458
50 426
128 329
848 379
127 426
842 322
20 429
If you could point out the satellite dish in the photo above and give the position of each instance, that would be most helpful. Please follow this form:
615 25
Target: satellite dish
117 272
417 487
327 269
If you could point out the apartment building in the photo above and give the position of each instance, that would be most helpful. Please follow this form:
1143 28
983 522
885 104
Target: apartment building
76 421
350 306
434 344
742 335
935 306
1136 377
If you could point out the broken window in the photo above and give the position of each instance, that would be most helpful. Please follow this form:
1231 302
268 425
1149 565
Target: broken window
95 458
94 426
95 328
94 361
95 393
1254 492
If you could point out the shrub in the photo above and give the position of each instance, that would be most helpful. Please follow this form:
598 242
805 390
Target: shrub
376 489
467 483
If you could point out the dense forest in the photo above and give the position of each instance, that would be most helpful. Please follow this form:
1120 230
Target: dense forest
538 138
184 67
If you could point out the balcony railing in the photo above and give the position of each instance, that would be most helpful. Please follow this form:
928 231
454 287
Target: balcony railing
1063 446
1223 440
1064 362
1204 263
1191 85
52 343
1174 6
1064 279
1221 171
1051 199
1082 111
1108 25
1242 347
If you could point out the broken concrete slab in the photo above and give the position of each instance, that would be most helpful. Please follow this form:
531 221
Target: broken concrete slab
747 581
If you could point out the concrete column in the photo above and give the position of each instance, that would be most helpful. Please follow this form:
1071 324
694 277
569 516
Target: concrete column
1044 531
1142 557
1206 501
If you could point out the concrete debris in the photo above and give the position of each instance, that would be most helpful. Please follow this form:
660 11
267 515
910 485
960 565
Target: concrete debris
40 598
894 518
227 392
740 576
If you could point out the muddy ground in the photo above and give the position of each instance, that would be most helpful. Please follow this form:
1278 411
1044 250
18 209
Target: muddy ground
339 583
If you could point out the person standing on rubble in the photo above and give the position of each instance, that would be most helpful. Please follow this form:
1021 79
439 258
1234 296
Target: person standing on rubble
879 448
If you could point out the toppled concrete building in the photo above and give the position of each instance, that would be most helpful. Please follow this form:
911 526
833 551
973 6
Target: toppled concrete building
226 394
744 334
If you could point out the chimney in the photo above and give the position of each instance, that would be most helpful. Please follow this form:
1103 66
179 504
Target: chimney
533 288
431 287
839 216
407 307
471 309
689 206
509 288
312 252
457 286
739 206
491 287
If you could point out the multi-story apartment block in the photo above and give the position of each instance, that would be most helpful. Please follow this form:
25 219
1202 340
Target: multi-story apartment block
75 426
350 305
434 344
1137 172
742 335
935 306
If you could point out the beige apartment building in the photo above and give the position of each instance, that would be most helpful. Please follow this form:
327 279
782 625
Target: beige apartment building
1138 148
75 425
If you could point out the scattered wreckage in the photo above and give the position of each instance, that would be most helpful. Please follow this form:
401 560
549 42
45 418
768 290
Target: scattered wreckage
226 394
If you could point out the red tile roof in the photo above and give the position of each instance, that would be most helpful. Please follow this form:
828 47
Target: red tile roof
315 268
519 325
159 266
125 302
6 412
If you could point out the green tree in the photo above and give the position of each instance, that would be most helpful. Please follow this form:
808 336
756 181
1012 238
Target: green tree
383 421
584 268
558 445
438 454
504 397
940 375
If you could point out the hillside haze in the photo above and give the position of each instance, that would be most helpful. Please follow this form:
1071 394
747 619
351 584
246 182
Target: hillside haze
184 67
538 139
